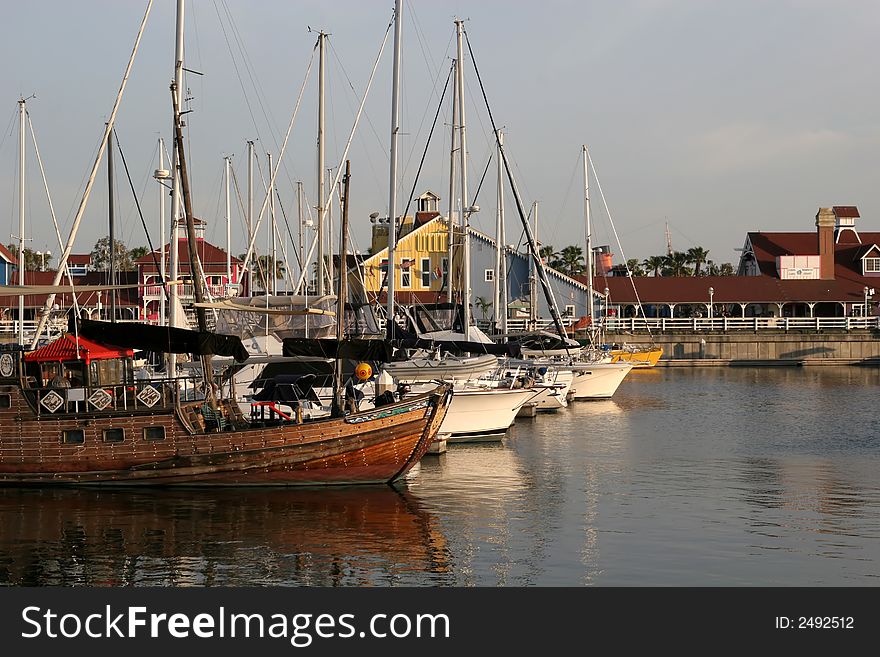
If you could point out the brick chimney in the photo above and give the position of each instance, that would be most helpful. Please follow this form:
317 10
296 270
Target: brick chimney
825 224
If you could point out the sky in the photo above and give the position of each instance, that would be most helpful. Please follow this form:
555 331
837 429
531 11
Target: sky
717 117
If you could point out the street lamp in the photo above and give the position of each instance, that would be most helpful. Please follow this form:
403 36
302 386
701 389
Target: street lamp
869 292
607 302
42 255
711 294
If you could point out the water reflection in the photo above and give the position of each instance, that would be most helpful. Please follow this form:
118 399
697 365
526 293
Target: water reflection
325 537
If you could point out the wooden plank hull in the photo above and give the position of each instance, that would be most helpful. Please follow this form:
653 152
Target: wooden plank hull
378 446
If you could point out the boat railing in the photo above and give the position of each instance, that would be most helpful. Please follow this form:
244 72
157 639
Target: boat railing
140 396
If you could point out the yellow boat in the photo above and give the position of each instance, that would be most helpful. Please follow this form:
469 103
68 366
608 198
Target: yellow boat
639 356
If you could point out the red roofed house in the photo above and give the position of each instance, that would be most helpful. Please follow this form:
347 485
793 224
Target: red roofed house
213 262
829 272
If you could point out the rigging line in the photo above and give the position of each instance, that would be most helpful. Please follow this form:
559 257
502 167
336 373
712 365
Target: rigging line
427 144
559 217
539 266
619 245
275 224
280 159
339 169
44 315
141 214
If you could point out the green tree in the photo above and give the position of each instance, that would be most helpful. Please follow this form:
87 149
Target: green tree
726 269
570 261
676 264
484 305
138 252
32 261
547 254
264 267
635 267
101 255
697 256
655 264
712 269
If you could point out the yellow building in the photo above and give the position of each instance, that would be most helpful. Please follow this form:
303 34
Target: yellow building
421 256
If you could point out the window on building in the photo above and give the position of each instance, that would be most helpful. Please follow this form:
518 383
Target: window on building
154 433
114 435
426 272
445 266
5 401
405 278
490 275
73 437
872 265
569 310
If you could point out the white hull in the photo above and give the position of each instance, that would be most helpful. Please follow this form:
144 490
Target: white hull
447 368
599 381
554 394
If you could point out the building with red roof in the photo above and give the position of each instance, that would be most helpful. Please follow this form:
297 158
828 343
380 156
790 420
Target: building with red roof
829 272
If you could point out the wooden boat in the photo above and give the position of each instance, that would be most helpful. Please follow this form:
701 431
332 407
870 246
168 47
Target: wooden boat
108 428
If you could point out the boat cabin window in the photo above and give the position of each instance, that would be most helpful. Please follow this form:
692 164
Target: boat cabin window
154 433
5 401
116 435
111 371
73 437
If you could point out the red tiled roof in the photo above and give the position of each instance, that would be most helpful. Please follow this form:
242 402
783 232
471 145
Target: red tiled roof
726 289
767 246
69 347
124 298
211 256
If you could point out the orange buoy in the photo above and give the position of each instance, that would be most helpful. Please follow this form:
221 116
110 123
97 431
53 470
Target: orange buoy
363 371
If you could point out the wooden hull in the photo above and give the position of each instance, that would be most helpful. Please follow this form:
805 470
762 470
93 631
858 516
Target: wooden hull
378 446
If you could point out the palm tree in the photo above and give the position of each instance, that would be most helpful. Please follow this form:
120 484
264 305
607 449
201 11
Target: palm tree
697 256
676 264
571 260
712 269
726 269
635 267
655 264
483 304
547 254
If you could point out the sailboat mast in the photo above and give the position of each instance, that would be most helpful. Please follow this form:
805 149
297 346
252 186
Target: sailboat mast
272 268
464 207
322 38
452 141
250 209
21 191
228 228
588 234
533 275
342 289
112 229
299 205
500 250
161 172
174 244
392 193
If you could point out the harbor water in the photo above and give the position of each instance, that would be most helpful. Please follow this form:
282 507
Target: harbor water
688 477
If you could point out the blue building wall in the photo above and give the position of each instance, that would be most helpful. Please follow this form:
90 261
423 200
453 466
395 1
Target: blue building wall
566 291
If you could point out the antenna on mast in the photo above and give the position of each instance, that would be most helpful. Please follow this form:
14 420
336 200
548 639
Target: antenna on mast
668 240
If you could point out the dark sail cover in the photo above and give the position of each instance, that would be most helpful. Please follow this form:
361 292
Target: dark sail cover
354 349
163 339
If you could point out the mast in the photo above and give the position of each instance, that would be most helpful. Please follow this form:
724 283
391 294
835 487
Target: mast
21 191
500 251
228 228
392 193
465 209
451 238
299 204
271 269
342 290
250 209
322 37
533 275
329 231
112 227
588 233
160 175
174 244
198 280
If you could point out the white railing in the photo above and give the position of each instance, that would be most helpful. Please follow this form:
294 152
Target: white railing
186 291
723 324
